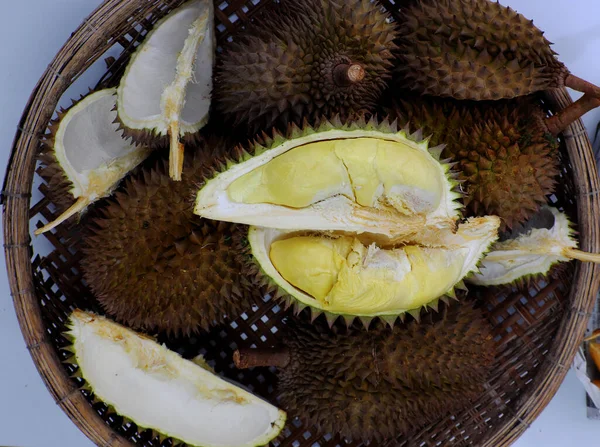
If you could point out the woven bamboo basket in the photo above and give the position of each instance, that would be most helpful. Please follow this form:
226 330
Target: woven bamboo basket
537 330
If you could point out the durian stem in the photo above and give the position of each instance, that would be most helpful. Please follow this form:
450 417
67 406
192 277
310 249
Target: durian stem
176 154
581 85
348 74
77 207
563 119
582 255
250 358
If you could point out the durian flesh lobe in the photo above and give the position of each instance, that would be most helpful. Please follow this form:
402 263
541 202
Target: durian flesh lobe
157 389
344 275
365 178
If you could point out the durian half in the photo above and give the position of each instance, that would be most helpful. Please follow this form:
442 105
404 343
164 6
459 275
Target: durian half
359 178
166 88
157 389
350 276
86 146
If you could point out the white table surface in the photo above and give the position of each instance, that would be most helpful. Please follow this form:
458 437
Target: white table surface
31 33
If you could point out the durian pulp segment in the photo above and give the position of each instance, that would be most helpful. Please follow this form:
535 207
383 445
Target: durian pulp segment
342 275
91 151
336 180
371 172
157 389
167 86
533 253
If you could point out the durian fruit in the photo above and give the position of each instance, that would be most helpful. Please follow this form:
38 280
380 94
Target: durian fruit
505 155
531 252
156 389
477 49
165 93
377 385
357 177
306 59
350 276
84 156
155 266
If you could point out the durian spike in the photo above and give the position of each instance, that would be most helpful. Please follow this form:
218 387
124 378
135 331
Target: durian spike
581 85
348 74
250 358
77 207
563 119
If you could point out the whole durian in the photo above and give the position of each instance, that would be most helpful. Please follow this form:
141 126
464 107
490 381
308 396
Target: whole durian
377 385
505 154
154 265
476 49
304 59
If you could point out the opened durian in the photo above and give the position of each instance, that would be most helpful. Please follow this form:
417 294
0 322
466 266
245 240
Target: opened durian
351 276
477 49
84 156
306 59
532 251
503 150
377 385
165 93
359 178
157 389
156 266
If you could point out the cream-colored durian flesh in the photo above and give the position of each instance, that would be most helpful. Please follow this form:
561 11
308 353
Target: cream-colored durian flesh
532 253
90 149
159 390
342 274
358 179
167 86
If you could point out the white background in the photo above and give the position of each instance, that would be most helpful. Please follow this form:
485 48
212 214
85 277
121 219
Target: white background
31 33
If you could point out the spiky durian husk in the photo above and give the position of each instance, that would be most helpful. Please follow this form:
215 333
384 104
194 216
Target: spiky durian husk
154 265
508 160
379 384
281 69
474 49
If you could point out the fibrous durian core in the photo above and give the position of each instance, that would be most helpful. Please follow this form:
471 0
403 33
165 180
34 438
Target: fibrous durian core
157 389
306 59
154 265
476 49
85 156
165 93
377 385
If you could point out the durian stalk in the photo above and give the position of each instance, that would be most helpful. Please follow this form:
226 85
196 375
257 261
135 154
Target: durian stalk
176 154
250 358
570 253
563 119
77 207
584 256
348 74
581 85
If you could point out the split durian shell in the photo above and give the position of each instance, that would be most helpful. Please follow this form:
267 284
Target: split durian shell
362 177
343 275
532 253
376 385
157 389
153 265
165 93
85 156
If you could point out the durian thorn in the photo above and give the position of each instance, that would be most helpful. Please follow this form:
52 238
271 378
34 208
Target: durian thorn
176 154
250 358
77 207
563 119
348 74
581 255
581 85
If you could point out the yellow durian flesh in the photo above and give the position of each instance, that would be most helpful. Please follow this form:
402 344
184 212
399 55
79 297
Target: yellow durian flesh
371 172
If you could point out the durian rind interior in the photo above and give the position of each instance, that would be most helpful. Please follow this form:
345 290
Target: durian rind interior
355 180
171 62
344 275
157 389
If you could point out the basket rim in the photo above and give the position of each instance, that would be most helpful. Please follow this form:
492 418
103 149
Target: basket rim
76 55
